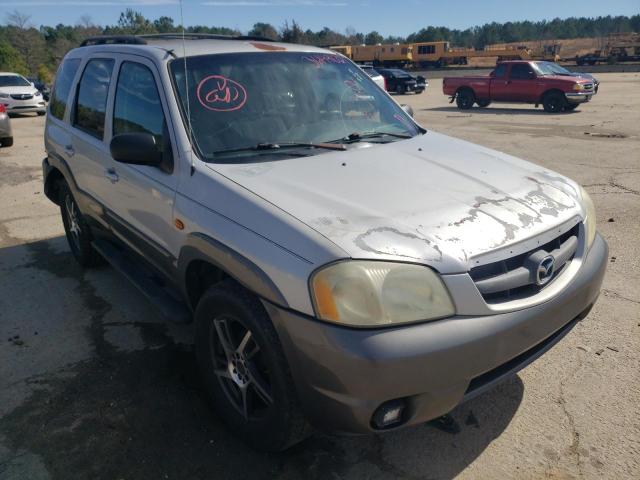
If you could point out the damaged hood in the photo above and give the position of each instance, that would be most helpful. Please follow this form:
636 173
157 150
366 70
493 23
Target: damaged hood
432 199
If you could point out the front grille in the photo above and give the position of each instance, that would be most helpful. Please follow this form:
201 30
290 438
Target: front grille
515 277
588 86
22 96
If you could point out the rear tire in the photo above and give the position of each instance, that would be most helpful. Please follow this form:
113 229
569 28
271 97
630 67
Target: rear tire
465 99
400 89
6 141
244 369
77 230
554 102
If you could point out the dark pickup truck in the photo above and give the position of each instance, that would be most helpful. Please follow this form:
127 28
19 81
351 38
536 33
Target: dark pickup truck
520 82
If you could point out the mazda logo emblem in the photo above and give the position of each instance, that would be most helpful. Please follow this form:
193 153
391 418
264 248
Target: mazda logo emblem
544 272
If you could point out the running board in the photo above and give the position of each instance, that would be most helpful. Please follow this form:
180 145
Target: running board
170 307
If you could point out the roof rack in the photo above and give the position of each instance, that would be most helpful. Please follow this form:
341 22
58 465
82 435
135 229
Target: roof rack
201 36
113 39
141 39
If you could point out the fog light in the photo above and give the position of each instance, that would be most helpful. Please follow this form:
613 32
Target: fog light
389 414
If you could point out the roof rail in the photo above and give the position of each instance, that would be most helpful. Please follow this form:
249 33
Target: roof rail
201 36
113 39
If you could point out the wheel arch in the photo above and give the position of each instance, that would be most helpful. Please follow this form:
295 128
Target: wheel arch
204 261
52 184
548 91
466 88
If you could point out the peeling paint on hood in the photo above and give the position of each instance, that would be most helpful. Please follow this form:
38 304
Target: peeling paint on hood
432 199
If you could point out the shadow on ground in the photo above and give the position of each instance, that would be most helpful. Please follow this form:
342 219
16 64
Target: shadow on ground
497 111
141 414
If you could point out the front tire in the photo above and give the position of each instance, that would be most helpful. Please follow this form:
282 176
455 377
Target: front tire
6 141
483 103
554 102
77 230
465 99
571 107
244 370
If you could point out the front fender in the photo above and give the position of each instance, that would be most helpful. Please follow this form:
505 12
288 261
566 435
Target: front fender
199 246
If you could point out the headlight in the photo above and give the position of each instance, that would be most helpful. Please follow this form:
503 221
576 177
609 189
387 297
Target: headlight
590 220
38 93
368 293
578 86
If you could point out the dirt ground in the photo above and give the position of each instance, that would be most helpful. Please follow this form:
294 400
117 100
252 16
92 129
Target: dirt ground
94 385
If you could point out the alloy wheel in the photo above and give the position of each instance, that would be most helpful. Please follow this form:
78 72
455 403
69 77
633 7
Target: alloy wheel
73 220
240 367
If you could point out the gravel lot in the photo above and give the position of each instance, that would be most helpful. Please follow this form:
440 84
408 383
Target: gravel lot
94 385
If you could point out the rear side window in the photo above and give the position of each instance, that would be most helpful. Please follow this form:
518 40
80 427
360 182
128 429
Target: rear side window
500 70
64 77
91 104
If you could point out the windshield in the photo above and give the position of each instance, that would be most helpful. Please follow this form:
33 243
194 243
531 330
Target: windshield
550 68
239 101
13 81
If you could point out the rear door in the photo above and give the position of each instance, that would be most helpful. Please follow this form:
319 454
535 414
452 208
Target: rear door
499 83
88 153
142 197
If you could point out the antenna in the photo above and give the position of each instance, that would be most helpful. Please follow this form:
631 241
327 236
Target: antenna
186 90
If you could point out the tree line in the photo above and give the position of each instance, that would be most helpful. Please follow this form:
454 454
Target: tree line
37 51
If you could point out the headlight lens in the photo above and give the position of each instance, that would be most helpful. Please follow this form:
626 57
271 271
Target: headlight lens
578 86
38 93
590 220
368 293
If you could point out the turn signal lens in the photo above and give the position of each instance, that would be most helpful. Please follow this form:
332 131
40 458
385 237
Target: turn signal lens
578 86
590 217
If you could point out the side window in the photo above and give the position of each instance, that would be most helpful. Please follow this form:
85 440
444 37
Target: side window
521 71
64 77
500 70
91 104
137 107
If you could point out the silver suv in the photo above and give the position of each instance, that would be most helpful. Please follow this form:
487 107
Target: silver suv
344 267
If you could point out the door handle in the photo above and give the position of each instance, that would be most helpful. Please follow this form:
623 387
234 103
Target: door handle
68 149
111 174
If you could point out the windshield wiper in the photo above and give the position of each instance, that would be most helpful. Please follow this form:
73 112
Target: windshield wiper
356 136
281 146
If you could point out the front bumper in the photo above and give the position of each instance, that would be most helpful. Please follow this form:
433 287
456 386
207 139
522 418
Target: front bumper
36 104
343 375
579 97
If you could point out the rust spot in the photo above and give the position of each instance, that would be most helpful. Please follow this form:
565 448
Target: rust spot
179 224
265 46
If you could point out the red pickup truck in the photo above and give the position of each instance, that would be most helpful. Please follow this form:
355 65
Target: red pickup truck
521 82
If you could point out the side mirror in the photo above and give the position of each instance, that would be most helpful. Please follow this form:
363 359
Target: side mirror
407 109
33 84
136 149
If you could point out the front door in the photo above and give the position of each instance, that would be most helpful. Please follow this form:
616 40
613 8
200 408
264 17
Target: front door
521 86
142 197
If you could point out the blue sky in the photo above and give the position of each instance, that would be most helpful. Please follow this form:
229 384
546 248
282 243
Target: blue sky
363 15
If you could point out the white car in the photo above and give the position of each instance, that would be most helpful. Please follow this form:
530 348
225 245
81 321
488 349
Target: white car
375 75
19 95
